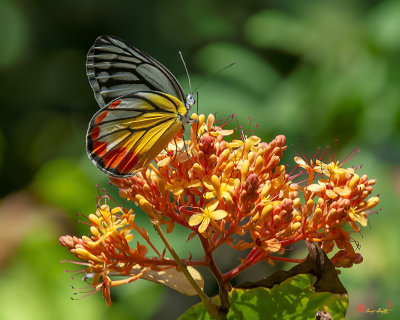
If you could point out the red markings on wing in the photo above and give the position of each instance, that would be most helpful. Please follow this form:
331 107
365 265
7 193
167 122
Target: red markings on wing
101 117
128 163
95 132
112 158
104 113
99 148
114 104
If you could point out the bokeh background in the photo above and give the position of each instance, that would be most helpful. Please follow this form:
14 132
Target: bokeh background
312 70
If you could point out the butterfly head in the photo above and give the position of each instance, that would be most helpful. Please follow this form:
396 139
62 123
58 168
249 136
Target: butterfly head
190 101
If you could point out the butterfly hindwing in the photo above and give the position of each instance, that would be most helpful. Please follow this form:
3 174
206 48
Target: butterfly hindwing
128 133
116 69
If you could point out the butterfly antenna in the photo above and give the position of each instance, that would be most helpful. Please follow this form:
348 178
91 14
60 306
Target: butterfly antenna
197 104
213 75
186 70
184 145
197 120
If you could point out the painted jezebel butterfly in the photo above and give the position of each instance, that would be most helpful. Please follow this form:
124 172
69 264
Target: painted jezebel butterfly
142 107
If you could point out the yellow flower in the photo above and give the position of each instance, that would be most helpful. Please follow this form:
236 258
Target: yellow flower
220 190
208 213
332 192
357 215
178 187
333 171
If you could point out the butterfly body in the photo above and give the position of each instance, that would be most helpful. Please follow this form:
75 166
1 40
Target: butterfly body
142 107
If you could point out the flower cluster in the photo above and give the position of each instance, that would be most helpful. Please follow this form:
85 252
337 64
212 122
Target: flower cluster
219 188
339 197
235 192
108 250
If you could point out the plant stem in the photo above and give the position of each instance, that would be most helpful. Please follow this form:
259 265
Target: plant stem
169 262
208 303
224 286
252 258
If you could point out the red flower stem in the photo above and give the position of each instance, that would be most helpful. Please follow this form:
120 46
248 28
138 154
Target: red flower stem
255 254
194 262
145 237
286 243
168 262
251 255
225 235
224 286
234 272
175 216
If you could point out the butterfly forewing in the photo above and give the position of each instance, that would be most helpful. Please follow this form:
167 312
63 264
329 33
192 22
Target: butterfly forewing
116 69
131 131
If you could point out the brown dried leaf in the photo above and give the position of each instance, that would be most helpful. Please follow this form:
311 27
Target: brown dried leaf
172 278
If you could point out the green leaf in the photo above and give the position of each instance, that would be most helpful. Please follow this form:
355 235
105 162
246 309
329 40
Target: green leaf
299 293
294 298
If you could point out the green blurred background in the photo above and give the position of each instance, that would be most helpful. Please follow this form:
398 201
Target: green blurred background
314 70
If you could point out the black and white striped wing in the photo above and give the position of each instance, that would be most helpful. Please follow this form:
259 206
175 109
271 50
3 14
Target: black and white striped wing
115 69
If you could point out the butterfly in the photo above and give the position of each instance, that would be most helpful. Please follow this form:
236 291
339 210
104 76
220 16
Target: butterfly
142 107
